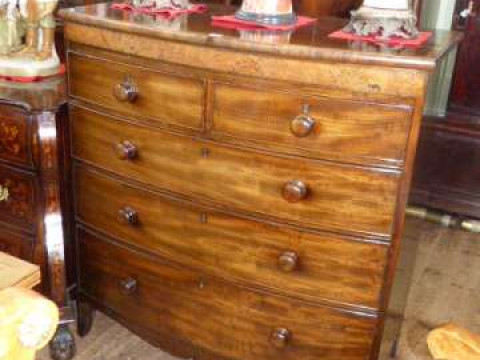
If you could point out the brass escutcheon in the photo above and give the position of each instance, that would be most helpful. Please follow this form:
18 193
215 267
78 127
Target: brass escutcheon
4 193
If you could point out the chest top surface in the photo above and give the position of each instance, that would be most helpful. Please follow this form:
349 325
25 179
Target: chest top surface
311 42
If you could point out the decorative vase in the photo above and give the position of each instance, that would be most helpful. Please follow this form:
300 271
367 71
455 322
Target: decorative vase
384 19
269 12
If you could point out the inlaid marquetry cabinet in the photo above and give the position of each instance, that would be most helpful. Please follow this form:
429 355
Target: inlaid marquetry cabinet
32 181
240 199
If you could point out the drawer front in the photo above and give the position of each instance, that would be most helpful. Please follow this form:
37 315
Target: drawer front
223 319
15 136
311 126
17 196
16 245
291 262
136 92
297 190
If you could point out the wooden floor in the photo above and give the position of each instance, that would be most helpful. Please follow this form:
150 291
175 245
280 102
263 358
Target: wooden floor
446 288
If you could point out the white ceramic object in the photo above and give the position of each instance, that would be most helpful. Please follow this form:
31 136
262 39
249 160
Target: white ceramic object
27 44
387 4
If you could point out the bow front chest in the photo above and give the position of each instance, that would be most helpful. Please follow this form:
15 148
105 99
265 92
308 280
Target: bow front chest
240 195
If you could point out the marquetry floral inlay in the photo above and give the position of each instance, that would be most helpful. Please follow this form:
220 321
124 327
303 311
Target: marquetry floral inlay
16 197
11 141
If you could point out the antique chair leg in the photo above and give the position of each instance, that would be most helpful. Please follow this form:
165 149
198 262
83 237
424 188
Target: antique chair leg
62 346
85 317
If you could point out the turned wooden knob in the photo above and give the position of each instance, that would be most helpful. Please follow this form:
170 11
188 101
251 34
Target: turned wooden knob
128 285
126 150
280 338
127 216
302 125
288 261
294 191
125 92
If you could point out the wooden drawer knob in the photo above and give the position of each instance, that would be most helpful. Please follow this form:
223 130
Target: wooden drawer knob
125 92
304 124
288 261
294 191
280 338
126 150
127 216
128 286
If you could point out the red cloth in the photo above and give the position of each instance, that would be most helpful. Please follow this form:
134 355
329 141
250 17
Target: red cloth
419 41
31 79
167 12
231 22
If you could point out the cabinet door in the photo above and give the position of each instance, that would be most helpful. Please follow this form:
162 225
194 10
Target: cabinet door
465 95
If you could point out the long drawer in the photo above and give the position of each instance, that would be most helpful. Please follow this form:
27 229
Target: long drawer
170 100
291 262
312 126
17 196
314 194
220 318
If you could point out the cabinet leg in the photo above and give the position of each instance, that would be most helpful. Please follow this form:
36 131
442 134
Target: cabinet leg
62 346
85 316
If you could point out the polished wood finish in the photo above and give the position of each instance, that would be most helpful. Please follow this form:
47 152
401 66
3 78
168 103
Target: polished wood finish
17 273
19 197
292 122
16 245
445 174
143 92
334 191
465 95
15 137
308 43
31 178
329 267
271 210
169 300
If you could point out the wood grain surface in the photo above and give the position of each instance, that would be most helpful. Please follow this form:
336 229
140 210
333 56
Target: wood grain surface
15 136
197 30
339 197
19 195
15 244
345 130
170 300
166 99
16 272
328 268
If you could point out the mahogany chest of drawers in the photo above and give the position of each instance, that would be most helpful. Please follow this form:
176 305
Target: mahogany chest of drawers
240 199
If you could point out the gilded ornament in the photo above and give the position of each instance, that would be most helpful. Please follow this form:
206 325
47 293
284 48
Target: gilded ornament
4 193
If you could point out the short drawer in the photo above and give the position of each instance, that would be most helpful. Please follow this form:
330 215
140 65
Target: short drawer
168 100
314 194
17 196
217 317
15 136
16 245
311 126
295 263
